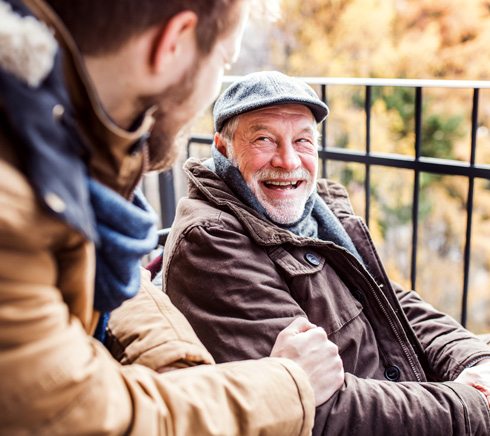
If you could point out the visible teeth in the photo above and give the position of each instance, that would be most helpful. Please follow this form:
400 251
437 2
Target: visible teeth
277 183
280 183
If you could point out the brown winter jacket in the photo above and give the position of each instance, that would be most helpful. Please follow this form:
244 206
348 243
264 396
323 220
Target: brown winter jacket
245 279
55 379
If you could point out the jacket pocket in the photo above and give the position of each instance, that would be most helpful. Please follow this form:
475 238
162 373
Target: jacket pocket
317 288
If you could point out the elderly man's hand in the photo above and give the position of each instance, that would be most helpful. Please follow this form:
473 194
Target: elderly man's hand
310 348
478 376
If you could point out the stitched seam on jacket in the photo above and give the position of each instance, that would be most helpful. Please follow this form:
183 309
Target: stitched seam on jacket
299 395
465 412
168 318
278 255
182 236
183 356
169 262
346 322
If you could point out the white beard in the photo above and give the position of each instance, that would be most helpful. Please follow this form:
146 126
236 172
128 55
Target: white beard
286 211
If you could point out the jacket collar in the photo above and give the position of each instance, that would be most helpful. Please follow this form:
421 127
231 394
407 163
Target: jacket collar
203 181
118 158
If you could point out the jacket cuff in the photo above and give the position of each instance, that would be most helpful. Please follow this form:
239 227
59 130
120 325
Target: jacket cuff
475 361
305 393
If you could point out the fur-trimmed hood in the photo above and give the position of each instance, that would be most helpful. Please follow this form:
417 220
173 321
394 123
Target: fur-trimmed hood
47 100
33 91
27 46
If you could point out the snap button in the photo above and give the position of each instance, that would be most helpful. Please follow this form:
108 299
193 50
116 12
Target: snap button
312 259
357 294
58 111
392 373
55 202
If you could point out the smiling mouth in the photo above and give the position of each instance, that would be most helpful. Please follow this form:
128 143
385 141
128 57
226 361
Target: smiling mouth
283 184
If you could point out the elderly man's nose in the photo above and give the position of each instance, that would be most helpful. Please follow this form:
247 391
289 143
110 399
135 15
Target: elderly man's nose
286 157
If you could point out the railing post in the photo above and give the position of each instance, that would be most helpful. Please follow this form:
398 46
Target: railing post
469 209
167 197
416 184
367 180
324 135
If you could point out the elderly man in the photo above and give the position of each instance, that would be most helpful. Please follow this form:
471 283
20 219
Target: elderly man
77 132
259 242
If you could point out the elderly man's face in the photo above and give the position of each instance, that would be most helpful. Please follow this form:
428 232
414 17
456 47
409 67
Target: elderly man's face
275 149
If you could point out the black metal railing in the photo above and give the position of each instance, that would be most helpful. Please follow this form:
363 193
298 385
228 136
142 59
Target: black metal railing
417 163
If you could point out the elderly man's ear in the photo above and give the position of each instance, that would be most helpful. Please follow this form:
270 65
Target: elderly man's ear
221 144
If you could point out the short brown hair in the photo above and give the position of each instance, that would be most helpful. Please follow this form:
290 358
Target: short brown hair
103 26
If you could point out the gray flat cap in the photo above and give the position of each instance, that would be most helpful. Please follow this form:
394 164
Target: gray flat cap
266 88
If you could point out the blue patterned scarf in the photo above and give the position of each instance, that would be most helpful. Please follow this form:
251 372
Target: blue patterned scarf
127 231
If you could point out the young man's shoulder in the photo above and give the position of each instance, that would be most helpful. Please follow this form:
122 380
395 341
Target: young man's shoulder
23 220
17 198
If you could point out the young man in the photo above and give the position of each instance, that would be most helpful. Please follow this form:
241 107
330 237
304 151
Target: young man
284 245
75 138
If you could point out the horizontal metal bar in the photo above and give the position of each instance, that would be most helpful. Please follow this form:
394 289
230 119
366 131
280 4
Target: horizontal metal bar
201 139
163 235
412 83
424 164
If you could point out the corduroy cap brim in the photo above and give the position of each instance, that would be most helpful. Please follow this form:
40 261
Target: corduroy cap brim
262 89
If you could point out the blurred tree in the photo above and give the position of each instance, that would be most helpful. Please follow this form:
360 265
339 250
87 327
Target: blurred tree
383 38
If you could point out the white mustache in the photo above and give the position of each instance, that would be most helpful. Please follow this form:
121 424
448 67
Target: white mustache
299 173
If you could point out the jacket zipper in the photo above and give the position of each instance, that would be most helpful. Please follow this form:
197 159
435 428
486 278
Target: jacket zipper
387 315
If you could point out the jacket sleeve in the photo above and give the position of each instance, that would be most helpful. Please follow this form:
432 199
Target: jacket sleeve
243 306
449 348
372 407
150 331
55 379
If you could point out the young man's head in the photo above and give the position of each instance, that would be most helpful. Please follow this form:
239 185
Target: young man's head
167 54
266 126
102 27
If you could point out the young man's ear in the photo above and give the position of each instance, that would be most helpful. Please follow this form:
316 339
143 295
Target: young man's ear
175 41
221 144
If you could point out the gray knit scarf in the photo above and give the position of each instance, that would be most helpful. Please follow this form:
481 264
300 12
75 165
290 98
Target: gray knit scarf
317 221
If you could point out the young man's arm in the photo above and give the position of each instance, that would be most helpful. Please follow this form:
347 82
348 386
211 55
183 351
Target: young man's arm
55 379
149 330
